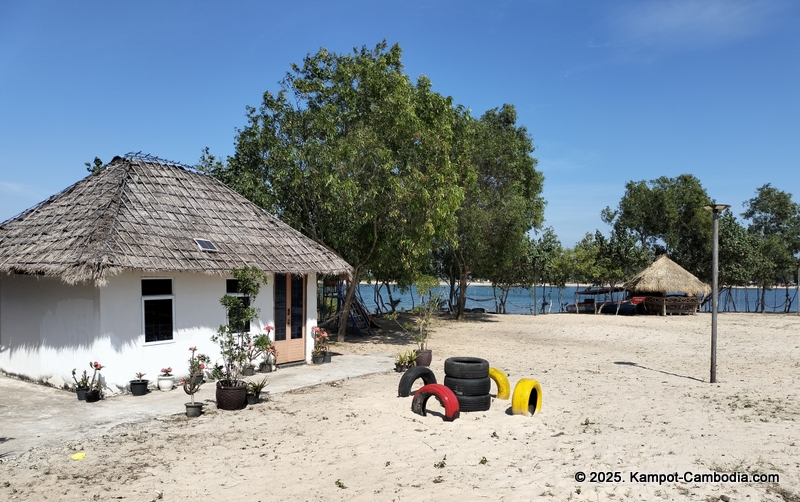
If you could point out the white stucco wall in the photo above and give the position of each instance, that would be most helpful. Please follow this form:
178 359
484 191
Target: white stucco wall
311 313
45 324
47 327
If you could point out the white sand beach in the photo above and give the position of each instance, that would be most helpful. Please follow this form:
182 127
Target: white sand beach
622 395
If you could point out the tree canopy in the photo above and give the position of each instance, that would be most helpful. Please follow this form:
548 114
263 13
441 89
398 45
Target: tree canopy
667 215
502 200
775 223
354 155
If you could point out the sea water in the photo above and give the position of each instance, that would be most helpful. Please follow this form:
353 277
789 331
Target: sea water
550 299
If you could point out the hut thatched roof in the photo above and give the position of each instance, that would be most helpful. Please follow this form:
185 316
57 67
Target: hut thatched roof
665 275
141 212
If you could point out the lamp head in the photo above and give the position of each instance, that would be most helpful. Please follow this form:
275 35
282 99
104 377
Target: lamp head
716 208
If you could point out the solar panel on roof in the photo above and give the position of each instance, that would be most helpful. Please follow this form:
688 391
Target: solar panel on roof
205 245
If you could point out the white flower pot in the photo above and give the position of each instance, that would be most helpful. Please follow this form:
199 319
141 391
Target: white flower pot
166 382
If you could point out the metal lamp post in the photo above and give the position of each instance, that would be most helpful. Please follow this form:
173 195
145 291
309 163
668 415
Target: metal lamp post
715 210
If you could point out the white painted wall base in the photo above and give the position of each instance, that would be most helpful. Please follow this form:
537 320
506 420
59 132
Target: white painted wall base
47 328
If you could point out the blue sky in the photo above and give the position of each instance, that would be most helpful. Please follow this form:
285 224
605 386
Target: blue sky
609 91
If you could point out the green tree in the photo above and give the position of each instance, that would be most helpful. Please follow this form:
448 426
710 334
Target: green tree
775 221
542 253
619 257
502 200
585 258
355 156
562 271
740 253
666 214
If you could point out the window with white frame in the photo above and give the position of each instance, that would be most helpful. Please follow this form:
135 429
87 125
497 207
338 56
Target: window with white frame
158 307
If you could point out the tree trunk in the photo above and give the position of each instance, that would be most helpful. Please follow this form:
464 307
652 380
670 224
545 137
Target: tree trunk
763 296
462 293
348 302
452 300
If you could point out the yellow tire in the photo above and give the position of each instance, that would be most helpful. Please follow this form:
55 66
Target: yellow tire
527 398
503 388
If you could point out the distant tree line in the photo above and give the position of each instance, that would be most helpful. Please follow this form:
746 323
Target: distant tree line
666 215
403 183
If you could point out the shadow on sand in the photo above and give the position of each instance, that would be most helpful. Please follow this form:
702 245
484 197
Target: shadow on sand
628 363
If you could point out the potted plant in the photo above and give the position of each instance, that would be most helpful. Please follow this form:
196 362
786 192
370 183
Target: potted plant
400 362
81 385
231 391
139 385
425 285
404 360
249 367
166 380
95 386
320 349
192 383
254 390
197 365
265 348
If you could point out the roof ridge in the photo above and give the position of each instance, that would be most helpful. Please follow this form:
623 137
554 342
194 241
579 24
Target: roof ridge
116 199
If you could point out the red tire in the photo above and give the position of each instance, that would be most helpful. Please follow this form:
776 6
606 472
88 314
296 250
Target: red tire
442 394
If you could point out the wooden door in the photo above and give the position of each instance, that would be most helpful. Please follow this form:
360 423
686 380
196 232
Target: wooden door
290 315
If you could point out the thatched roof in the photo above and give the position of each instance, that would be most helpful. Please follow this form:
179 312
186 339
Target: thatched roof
144 213
665 275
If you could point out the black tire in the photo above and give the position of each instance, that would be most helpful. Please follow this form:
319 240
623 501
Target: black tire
468 386
411 375
474 403
466 367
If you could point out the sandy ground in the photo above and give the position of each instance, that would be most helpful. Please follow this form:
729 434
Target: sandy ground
621 395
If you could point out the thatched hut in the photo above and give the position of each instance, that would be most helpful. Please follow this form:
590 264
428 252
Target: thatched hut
665 276
127 266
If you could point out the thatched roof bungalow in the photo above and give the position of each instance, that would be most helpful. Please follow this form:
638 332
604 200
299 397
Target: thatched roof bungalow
126 267
665 276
